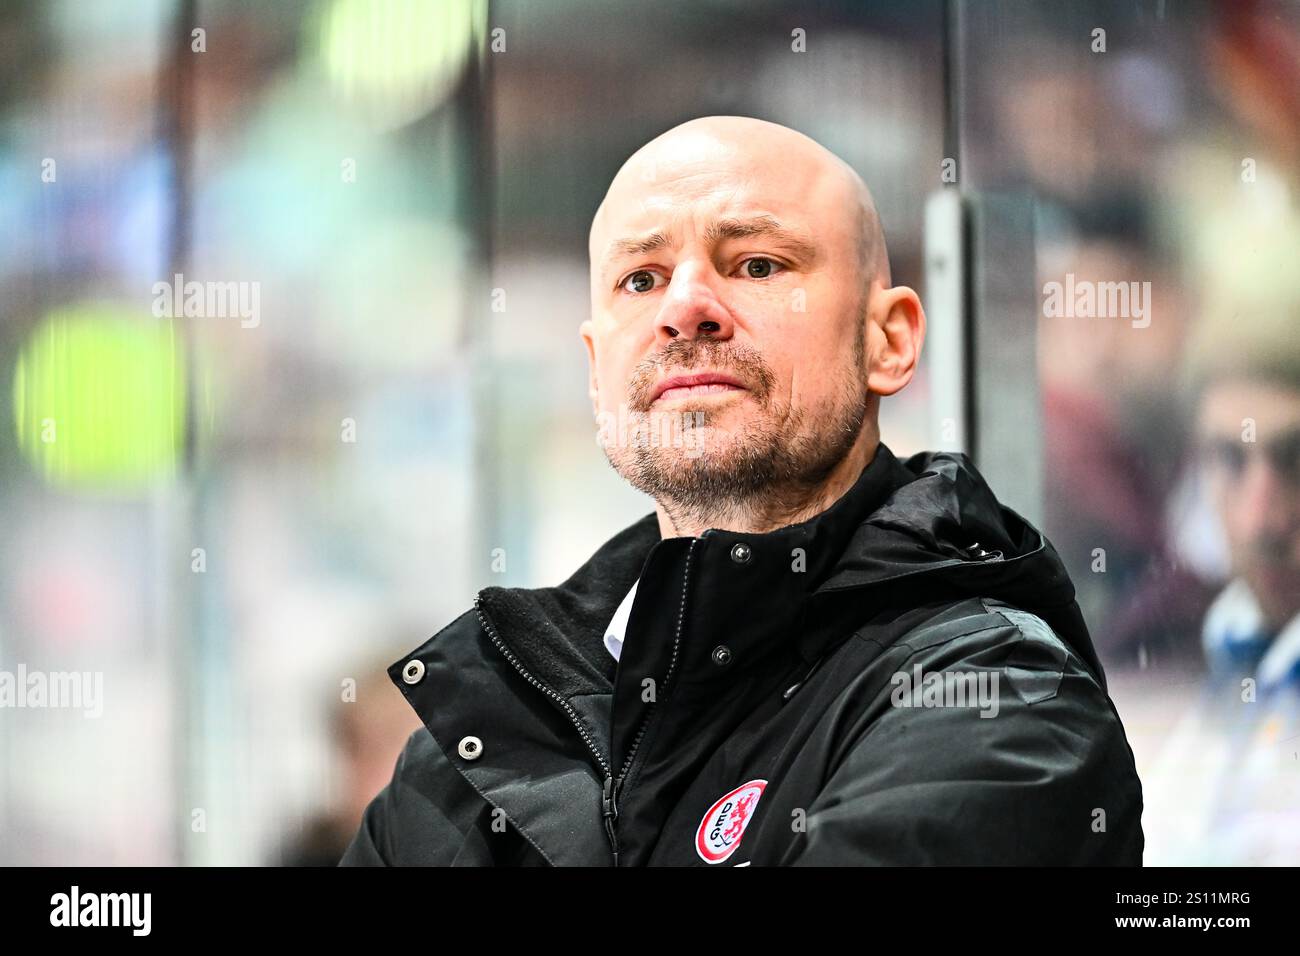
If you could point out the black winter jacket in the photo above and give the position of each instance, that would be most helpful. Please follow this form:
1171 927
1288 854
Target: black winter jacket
902 679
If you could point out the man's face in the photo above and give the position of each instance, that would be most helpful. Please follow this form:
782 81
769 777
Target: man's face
728 314
1256 486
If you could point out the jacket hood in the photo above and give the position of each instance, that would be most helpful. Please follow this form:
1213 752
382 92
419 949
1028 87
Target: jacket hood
944 525
917 530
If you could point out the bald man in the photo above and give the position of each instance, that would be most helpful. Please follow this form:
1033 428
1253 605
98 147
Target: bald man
812 652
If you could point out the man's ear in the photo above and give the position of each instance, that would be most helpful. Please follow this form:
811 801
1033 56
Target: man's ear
896 331
587 331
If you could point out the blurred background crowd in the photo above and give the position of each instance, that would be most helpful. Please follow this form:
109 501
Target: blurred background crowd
240 515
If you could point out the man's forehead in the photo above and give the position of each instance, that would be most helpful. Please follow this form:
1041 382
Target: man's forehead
714 155
1230 402
656 213
674 210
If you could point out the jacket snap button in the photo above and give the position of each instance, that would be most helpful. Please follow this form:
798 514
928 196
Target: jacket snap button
471 748
722 655
413 672
740 552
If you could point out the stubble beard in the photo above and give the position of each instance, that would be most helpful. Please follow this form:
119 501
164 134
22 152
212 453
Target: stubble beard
772 464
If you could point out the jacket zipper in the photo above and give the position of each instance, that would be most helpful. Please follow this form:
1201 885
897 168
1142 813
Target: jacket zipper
612 785
609 806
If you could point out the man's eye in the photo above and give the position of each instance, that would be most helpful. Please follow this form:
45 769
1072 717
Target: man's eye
760 267
1227 455
640 281
1284 455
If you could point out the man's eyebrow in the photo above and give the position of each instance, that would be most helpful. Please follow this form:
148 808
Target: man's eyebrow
716 232
765 226
636 247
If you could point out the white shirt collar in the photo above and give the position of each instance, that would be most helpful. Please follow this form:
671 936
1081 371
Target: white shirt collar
1235 615
618 624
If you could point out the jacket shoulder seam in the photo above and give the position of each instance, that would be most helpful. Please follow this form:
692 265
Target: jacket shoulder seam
1032 626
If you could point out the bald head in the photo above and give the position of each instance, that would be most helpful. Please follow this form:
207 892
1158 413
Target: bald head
741 152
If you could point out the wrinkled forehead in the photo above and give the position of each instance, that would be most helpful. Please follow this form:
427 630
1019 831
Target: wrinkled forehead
683 189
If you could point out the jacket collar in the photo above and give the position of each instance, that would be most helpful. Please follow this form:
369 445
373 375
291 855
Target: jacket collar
749 585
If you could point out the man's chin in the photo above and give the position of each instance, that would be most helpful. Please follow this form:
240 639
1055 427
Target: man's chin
703 456
712 441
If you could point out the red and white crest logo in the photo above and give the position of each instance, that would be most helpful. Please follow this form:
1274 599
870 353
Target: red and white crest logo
723 826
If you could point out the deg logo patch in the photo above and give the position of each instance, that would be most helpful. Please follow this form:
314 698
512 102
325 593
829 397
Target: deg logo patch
720 831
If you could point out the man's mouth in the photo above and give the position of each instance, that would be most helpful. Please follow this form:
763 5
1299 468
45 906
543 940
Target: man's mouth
701 383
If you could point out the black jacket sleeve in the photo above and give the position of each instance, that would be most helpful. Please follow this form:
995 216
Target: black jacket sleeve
1044 778
372 845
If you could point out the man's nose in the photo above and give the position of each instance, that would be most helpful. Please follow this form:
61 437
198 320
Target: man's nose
691 307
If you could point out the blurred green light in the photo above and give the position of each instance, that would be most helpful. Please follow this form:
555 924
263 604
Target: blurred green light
394 60
99 398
